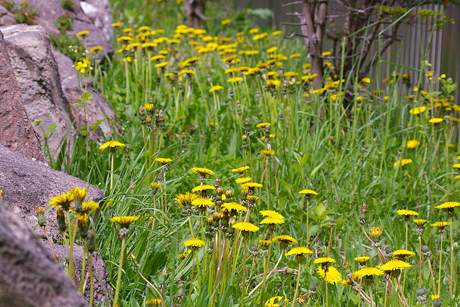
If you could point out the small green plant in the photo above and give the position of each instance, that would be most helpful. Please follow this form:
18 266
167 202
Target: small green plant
62 42
68 5
21 13
64 23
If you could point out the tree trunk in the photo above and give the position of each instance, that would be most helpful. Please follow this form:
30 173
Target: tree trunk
194 10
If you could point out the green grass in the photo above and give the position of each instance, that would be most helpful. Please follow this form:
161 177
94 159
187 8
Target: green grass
347 156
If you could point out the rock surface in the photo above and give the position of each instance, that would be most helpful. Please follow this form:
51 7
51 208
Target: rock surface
49 11
98 108
6 18
29 276
28 184
16 131
100 13
37 74
103 291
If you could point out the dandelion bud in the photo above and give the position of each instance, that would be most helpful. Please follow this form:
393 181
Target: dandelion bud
1 194
91 242
312 287
246 121
376 232
220 190
37 122
209 219
229 193
83 225
61 219
437 302
41 217
232 221
211 125
244 137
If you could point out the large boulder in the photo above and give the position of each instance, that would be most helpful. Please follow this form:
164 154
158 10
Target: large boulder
28 184
6 18
29 276
102 289
97 109
37 74
16 131
50 11
100 13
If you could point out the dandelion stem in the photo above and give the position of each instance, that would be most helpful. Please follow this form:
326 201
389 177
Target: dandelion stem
244 277
120 267
432 276
440 267
91 293
111 171
297 285
420 260
451 259
274 269
83 268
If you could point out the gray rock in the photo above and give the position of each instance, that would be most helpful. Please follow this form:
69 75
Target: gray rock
6 18
49 11
16 131
98 108
103 291
28 184
37 74
29 276
100 13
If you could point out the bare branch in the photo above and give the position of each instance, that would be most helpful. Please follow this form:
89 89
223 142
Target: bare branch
292 3
199 14
295 34
293 24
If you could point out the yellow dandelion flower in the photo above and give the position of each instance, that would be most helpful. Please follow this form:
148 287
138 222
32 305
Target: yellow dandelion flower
267 152
226 21
234 206
308 192
272 49
402 253
202 171
440 224
277 33
418 110
435 297
62 200
161 65
216 88
368 271
271 214
185 199
285 239
89 206
243 180
436 120
332 275
202 202
272 221
263 125
324 260
419 222
448 205
79 194
405 212
112 145
124 221
412 144
240 169
402 162
235 80
96 49
194 243
203 187
184 255
252 185
245 226
394 265
82 33
164 160
362 259
299 251
153 302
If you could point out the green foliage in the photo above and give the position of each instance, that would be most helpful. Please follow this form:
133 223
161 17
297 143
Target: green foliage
64 23
68 5
62 42
21 13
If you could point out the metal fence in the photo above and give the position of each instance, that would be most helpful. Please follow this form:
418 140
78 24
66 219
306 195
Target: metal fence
444 45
